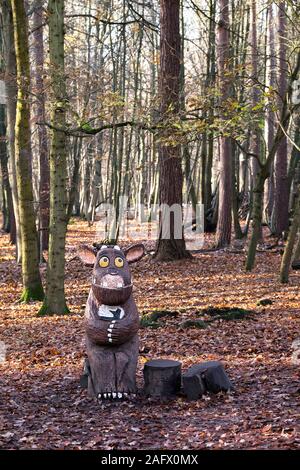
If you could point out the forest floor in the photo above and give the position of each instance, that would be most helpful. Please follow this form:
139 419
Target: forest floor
43 407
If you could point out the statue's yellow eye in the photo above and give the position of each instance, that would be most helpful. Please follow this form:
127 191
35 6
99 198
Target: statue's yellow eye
119 262
104 262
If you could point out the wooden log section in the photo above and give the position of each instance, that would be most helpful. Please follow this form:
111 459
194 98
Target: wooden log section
162 378
205 377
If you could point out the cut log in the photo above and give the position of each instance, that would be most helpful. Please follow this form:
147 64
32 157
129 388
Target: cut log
193 384
162 378
207 376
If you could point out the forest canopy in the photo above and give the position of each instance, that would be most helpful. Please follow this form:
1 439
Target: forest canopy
170 104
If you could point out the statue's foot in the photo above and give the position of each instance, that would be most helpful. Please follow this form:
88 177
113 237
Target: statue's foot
116 396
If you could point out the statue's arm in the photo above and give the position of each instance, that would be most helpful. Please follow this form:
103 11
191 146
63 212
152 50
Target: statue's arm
101 331
126 328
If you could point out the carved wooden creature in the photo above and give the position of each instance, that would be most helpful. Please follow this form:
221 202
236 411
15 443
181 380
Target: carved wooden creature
111 321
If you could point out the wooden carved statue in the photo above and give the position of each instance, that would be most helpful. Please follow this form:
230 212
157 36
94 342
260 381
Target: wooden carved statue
111 321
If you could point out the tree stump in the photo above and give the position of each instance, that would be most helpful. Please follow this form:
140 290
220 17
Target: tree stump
162 378
193 384
208 376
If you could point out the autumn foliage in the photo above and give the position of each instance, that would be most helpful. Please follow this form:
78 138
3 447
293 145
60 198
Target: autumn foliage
43 407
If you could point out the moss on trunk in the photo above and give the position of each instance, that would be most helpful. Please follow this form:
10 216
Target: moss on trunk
47 309
32 284
35 293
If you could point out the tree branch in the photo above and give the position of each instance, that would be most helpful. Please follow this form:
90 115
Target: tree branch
86 130
250 154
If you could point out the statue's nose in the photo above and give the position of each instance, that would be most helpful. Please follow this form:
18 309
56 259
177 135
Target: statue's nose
112 271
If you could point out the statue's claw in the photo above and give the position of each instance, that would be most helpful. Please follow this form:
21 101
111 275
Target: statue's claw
116 396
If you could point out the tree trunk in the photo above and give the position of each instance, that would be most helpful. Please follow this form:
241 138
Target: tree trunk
74 180
285 117
288 251
38 51
223 235
280 217
54 302
256 218
211 78
270 118
32 285
171 243
235 195
11 96
7 206
186 157
296 256
255 137
294 160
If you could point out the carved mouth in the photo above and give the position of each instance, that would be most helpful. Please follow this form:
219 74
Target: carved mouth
110 281
108 291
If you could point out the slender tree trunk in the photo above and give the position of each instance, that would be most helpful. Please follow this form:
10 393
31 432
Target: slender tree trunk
288 251
265 167
97 163
270 118
186 157
171 243
54 302
223 235
75 177
235 195
296 257
38 51
32 285
255 138
280 217
8 222
85 181
255 143
258 191
11 96
211 72
295 158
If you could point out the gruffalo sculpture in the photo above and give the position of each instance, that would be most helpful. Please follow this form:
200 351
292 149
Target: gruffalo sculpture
111 321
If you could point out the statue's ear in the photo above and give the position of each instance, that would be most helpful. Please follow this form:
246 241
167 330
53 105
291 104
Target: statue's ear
87 254
134 253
